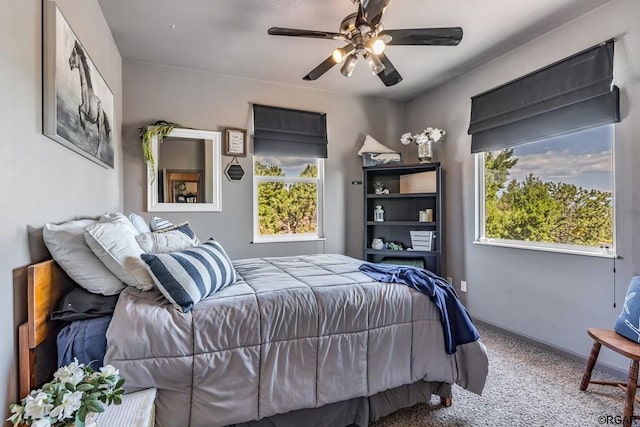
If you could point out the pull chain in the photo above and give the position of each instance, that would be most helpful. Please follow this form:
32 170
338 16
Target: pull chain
614 282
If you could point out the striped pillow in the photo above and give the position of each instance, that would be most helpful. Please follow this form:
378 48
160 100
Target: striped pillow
157 223
188 276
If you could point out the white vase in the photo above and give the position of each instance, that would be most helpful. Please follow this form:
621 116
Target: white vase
425 152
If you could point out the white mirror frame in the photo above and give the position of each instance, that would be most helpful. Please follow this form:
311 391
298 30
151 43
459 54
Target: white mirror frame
212 153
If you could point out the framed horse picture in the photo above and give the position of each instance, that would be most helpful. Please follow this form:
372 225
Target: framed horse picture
78 105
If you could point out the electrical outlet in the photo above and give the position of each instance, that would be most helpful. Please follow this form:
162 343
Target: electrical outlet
463 285
449 279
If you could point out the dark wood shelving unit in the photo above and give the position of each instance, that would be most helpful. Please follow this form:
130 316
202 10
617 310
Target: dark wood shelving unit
402 213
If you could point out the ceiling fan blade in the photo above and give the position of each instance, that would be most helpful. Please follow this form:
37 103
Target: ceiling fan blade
450 36
293 32
317 72
327 64
389 75
360 16
373 10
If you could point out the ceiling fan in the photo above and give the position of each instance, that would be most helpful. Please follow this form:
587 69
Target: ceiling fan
365 36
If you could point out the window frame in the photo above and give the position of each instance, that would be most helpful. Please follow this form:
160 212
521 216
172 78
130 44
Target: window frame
480 223
319 181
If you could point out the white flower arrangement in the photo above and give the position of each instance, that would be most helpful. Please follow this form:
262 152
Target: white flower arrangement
76 391
428 135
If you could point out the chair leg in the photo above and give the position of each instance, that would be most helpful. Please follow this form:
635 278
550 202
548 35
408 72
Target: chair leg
591 362
631 394
446 401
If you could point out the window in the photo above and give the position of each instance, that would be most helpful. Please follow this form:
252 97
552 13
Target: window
288 194
544 150
556 193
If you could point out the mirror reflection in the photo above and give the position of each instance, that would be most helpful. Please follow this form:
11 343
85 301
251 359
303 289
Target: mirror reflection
188 172
181 166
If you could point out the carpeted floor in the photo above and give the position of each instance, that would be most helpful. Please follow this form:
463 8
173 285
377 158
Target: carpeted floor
526 386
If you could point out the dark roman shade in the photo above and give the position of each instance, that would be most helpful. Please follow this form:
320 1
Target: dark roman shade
571 95
286 132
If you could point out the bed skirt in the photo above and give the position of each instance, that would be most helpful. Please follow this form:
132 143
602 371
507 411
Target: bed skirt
360 411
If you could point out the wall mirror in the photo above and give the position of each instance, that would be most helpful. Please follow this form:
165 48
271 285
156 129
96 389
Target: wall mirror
187 175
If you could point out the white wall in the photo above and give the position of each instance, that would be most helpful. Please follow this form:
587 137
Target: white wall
42 180
211 102
549 297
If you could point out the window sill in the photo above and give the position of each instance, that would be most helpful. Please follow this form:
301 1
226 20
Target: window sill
534 246
288 239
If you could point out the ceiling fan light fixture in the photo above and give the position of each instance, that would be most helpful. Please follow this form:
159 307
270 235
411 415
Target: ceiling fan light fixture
349 65
365 35
374 62
376 46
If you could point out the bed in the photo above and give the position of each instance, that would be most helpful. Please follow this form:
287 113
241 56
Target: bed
305 340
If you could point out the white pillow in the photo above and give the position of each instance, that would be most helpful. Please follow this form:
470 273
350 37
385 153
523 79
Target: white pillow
139 223
370 145
68 247
114 242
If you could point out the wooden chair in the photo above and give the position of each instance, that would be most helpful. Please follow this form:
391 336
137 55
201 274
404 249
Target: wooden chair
625 347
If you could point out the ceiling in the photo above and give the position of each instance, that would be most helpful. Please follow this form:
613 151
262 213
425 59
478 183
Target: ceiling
230 37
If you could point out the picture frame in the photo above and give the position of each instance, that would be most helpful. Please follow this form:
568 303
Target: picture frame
78 104
235 143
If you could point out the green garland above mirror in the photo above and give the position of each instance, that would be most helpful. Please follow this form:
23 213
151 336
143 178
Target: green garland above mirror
160 128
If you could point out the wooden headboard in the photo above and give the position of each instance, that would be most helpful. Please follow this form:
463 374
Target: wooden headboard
46 283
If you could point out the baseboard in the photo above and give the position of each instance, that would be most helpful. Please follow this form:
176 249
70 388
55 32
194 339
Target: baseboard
604 367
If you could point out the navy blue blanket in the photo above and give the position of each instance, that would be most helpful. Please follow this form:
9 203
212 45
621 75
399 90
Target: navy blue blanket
85 340
456 323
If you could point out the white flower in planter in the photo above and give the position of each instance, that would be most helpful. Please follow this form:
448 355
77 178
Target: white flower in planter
435 134
71 402
428 135
72 398
107 371
72 373
37 405
42 422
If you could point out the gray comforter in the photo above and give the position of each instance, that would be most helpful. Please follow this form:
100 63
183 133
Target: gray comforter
292 333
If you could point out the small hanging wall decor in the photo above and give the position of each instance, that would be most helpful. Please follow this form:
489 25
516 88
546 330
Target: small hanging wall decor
234 170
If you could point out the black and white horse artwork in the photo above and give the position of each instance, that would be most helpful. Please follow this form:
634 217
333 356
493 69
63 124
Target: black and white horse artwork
91 108
78 105
90 113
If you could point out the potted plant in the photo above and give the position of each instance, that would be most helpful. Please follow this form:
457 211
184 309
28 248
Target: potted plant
425 140
73 398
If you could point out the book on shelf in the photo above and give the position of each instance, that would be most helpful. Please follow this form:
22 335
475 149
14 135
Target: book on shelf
422 240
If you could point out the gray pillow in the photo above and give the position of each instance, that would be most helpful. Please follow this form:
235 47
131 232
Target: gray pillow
68 247
174 239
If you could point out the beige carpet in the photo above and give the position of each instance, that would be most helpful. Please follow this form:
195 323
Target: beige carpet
526 386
